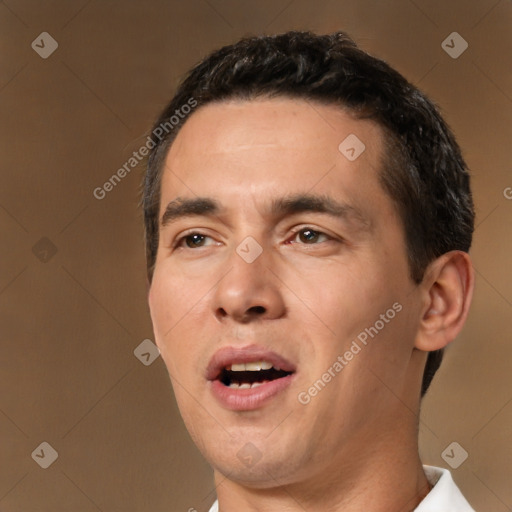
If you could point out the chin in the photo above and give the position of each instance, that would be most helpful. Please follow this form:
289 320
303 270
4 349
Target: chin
262 476
256 468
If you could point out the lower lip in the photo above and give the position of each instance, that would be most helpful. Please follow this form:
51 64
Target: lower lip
236 399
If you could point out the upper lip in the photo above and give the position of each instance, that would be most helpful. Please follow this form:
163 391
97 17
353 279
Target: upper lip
233 355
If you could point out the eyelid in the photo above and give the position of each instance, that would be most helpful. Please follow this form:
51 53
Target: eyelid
197 231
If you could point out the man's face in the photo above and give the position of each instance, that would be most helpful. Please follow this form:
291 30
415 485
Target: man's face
303 292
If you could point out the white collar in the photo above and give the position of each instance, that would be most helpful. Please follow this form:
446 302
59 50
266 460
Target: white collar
445 494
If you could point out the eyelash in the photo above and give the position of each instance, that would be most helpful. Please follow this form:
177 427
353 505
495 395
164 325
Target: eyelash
178 243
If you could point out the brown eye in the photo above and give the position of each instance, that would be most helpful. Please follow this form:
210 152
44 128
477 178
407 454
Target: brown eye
192 240
309 236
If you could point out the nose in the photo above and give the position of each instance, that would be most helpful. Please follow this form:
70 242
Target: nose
249 291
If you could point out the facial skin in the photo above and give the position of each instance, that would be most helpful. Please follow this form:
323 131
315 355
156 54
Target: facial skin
306 297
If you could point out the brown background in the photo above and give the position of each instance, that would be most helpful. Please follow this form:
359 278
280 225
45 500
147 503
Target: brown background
71 321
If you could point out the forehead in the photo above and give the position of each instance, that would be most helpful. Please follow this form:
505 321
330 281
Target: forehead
253 148
241 125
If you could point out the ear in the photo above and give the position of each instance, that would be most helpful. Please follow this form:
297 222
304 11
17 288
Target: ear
447 290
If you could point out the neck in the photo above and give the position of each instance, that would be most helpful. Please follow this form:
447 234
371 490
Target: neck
382 478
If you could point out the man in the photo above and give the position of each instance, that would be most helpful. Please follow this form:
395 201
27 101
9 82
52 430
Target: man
308 216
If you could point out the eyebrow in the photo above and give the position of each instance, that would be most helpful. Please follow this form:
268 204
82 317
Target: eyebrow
279 207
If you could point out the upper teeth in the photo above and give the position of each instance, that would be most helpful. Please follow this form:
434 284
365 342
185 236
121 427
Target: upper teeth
251 367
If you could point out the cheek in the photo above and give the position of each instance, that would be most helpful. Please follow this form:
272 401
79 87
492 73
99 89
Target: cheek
176 305
171 296
347 296
167 304
357 304
161 307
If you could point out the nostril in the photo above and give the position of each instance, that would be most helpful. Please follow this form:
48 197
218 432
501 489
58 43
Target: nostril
250 314
221 313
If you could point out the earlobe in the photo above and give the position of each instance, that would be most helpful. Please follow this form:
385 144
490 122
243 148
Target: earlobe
448 287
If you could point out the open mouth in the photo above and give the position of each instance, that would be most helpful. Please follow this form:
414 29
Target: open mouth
248 378
250 375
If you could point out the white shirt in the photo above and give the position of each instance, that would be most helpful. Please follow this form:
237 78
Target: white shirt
444 496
